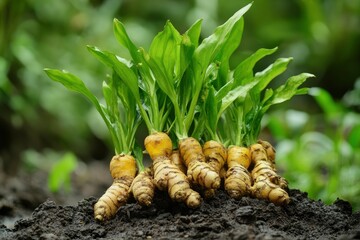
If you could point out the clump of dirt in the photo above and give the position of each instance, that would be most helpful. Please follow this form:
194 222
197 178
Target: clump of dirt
217 218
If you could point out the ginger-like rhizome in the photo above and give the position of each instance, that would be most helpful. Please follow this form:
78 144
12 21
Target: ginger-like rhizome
249 172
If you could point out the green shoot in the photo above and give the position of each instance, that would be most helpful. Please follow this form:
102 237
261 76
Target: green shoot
218 47
259 106
140 74
238 98
180 65
138 154
253 98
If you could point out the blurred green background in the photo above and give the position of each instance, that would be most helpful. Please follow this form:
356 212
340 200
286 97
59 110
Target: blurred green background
317 137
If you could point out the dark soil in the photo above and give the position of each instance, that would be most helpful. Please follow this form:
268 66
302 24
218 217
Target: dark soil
217 218
26 214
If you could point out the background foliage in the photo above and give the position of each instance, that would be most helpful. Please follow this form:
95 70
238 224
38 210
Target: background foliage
316 137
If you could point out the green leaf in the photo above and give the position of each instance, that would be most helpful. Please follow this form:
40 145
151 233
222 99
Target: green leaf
124 39
244 71
121 67
230 45
70 81
135 52
111 101
194 33
211 109
168 89
75 84
161 78
60 174
325 101
354 137
206 53
190 41
239 93
290 88
187 49
267 96
212 45
267 75
126 97
165 50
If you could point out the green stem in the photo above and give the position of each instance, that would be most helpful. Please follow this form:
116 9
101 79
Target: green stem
131 134
181 130
122 136
114 136
190 114
140 165
116 141
146 119
215 136
138 154
239 126
155 111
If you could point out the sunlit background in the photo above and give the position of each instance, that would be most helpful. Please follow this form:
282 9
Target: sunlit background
45 127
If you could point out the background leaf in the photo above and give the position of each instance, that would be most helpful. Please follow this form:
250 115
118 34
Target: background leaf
60 174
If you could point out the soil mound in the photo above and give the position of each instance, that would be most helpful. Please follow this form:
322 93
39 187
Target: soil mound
217 218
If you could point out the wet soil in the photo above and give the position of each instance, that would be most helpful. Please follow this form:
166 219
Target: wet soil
217 218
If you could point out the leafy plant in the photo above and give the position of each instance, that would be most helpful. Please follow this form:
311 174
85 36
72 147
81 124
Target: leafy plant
185 87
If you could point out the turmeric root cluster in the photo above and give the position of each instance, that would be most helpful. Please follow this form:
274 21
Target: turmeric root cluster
123 170
193 172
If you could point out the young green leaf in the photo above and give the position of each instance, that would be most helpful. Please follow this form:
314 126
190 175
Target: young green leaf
136 54
267 75
75 84
207 51
212 45
167 88
239 93
124 39
290 88
211 109
187 49
162 80
126 97
190 41
124 71
325 101
245 69
230 45
71 82
194 33
243 73
111 102
164 50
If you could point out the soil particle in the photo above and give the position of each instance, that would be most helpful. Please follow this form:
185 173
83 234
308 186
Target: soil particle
218 218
